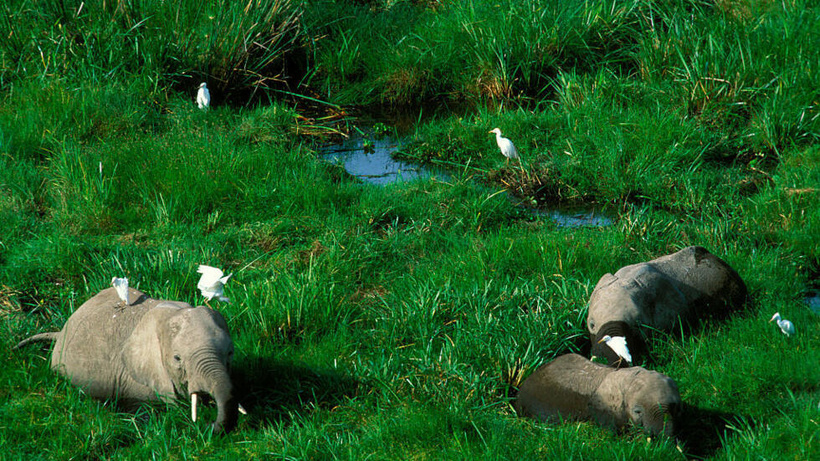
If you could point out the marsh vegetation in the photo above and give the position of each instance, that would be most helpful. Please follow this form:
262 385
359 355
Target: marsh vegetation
394 322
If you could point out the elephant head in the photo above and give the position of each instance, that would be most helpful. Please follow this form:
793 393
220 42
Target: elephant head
655 405
647 399
181 350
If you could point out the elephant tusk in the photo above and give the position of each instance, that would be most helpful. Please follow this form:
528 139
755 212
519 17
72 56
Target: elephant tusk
194 401
242 409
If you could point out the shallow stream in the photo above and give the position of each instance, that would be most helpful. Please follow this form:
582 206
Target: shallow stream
369 158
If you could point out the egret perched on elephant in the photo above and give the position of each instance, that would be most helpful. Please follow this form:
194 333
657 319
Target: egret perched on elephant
121 285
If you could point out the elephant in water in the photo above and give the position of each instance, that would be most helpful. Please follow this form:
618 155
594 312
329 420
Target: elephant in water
147 351
659 294
572 387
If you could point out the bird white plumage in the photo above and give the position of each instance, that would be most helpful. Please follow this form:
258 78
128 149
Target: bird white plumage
212 282
203 96
786 326
618 344
121 284
507 147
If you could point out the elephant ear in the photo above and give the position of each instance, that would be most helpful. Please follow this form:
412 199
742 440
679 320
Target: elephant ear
142 353
605 280
595 304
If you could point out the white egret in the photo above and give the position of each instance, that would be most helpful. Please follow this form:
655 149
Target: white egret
203 96
618 344
212 282
786 326
121 284
508 149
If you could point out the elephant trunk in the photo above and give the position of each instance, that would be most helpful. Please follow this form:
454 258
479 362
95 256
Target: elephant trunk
664 419
228 412
216 382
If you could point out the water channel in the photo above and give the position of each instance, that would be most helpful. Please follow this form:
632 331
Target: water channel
370 158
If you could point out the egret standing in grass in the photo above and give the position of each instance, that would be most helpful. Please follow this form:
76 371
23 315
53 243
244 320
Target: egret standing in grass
121 284
618 344
203 96
508 149
786 326
212 282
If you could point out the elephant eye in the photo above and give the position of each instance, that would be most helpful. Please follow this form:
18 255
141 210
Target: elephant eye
637 410
176 357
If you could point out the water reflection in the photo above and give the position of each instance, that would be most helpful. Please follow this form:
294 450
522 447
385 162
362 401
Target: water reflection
574 217
578 218
371 160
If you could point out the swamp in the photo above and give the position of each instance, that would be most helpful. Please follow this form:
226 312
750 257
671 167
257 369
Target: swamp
391 314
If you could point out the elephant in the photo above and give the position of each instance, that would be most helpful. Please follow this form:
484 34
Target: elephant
149 350
572 387
659 294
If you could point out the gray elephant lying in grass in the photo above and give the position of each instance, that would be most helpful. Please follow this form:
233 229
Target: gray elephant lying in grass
150 350
574 388
659 294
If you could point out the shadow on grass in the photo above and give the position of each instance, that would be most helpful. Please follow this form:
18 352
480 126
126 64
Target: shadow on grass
271 390
702 431
655 339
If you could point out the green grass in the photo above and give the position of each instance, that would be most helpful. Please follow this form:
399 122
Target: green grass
394 322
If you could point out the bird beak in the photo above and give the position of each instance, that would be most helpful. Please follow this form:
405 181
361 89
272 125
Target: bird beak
599 342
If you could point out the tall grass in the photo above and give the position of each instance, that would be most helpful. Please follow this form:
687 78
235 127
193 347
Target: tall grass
237 47
466 49
395 322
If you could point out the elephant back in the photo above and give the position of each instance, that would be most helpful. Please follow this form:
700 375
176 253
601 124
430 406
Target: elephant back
709 283
88 347
560 389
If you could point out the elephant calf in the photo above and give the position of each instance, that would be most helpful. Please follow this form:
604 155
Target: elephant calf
572 387
659 294
147 351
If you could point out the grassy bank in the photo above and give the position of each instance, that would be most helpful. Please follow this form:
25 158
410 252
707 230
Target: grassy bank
394 322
